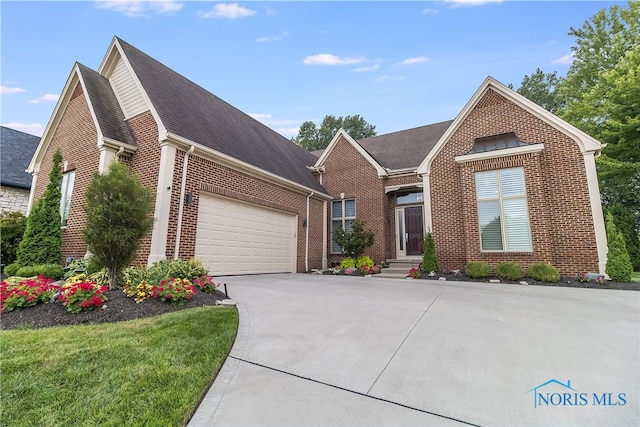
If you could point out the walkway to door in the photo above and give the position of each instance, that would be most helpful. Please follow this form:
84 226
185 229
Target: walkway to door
353 351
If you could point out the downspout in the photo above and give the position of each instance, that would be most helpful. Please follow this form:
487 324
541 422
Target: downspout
120 151
306 243
183 186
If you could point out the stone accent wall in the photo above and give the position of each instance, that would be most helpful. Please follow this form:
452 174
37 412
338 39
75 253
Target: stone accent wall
558 199
346 171
14 199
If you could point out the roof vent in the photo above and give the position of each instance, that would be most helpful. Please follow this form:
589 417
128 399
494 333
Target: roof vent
496 142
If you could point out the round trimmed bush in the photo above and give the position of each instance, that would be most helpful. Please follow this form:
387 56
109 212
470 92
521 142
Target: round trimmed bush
347 263
11 269
477 269
545 272
364 261
509 271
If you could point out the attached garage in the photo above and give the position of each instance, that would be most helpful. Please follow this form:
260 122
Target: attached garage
240 238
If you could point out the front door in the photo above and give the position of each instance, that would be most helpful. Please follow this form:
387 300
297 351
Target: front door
409 231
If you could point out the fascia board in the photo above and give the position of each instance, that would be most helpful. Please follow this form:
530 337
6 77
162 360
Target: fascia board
54 120
106 67
342 133
210 154
585 142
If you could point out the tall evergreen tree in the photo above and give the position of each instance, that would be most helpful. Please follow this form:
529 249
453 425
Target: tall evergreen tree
618 266
626 225
42 239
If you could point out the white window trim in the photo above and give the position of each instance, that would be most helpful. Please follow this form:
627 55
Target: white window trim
342 218
503 224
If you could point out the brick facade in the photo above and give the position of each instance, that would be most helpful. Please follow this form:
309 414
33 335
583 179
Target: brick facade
559 209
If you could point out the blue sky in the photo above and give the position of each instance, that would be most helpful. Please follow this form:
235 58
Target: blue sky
397 64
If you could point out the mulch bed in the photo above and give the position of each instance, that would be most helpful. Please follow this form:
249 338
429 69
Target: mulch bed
117 308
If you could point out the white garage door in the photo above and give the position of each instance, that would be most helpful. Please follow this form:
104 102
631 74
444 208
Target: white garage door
240 238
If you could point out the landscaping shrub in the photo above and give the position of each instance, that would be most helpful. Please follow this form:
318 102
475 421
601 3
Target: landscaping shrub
175 268
42 239
118 213
347 263
429 258
355 241
79 295
544 272
140 290
364 261
52 271
206 283
618 266
12 226
177 291
477 269
509 271
11 269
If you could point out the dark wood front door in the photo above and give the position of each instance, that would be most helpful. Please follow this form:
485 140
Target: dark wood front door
414 230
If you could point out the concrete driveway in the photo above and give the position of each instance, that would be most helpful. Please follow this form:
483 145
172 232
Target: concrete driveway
351 351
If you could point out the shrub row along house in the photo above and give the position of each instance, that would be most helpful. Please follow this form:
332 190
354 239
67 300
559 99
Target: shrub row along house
505 181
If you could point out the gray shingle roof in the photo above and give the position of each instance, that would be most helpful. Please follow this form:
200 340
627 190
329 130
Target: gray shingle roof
16 151
192 112
105 104
406 148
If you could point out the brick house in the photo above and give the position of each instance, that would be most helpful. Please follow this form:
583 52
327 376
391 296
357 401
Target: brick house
16 150
505 180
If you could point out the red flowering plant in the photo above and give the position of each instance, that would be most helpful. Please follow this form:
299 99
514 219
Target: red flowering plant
26 293
80 296
206 284
414 273
365 269
175 290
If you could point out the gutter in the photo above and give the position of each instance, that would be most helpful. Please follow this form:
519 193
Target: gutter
183 186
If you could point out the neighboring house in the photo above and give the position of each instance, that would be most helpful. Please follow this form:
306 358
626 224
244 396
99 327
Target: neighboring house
505 180
16 150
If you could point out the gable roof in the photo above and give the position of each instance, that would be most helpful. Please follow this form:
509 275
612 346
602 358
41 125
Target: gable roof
193 113
407 148
342 134
586 142
17 150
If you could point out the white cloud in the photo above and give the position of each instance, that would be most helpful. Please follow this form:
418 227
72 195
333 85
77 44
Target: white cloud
138 8
429 11
387 78
565 60
329 59
5 90
272 38
34 128
260 116
415 60
458 3
367 68
50 97
288 132
227 10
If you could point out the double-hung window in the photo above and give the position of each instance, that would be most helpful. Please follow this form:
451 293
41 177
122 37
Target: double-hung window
503 215
343 213
65 201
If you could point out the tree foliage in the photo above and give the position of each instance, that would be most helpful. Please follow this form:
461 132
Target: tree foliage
12 226
311 138
626 225
42 239
541 88
355 241
118 209
618 266
429 257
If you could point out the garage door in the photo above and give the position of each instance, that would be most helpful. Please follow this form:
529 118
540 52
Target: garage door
240 238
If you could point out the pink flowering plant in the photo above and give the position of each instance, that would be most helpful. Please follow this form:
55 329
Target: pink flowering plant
177 291
82 296
365 269
26 293
414 273
206 284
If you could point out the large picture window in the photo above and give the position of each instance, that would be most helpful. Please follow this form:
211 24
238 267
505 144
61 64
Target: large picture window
65 201
343 213
503 215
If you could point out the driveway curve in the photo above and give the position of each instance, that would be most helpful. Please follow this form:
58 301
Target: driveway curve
318 350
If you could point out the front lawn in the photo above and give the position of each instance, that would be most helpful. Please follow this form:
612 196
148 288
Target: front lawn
635 277
150 371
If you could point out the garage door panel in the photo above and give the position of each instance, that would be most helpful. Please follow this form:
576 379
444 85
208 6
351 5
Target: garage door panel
239 238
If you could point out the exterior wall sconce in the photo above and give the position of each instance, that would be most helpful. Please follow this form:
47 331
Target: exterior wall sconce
304 223
189 198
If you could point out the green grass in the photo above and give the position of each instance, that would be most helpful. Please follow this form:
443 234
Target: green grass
145 372
635 277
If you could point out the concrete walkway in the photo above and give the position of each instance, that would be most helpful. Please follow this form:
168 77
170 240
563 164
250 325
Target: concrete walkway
352 351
